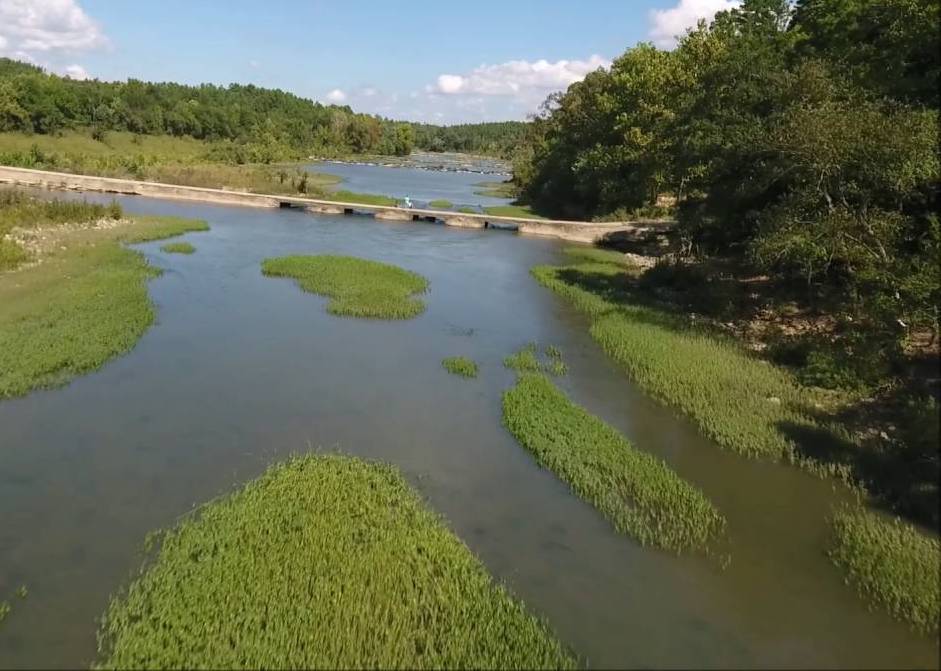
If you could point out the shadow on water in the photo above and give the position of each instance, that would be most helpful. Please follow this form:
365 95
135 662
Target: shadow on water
241 370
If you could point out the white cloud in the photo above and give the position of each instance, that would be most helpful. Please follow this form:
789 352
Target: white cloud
368 92
253 63
451 83
76 71
336 96
666 25
34 28
514 78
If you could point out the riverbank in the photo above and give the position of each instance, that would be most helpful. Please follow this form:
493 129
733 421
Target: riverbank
167 159
77 296
750 407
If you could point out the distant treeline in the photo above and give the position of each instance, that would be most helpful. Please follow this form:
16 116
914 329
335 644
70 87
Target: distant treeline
248 123
492 139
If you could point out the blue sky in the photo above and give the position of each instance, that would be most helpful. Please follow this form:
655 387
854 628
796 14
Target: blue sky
439 61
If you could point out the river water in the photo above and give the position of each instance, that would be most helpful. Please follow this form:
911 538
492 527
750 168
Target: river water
242 370
422 178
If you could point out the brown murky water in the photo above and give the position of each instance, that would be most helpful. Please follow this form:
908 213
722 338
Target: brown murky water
242 370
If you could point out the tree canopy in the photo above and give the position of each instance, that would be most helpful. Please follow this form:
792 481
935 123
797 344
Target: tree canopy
799 138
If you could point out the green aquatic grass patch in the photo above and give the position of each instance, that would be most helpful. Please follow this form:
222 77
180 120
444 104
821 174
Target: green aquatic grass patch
527 361
79 308
357 287
468 210
753 408
441 203
742 403
178 248
596 255
324 561
460 365
891 564
637 492
524 361
149 228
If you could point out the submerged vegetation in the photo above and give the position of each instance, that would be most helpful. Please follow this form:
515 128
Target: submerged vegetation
178 248
460 365
636 491
84 303
357 287
322 562
891 565
527 360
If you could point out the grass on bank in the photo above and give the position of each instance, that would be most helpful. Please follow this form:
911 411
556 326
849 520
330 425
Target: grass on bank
522 211
357 287
158 158
743 404
441 204
21 211
178 248
506 189
322 562
343 196
890 564
460 365
637 492
81 306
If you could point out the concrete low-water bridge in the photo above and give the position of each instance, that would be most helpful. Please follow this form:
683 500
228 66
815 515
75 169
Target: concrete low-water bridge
576 231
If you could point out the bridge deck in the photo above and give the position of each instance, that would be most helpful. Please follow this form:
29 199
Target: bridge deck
579 231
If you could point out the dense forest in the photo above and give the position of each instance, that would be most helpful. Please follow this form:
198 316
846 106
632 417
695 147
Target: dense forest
248 124
492 139
800 139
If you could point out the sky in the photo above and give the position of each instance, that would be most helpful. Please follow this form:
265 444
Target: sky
434 61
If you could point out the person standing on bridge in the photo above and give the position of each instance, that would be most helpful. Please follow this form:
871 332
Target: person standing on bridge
408 202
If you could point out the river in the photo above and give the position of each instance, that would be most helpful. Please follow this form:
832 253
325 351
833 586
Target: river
423 178
242 370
